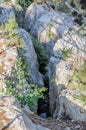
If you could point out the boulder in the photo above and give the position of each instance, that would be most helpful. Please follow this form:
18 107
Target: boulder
33 13
14 117
71 106
6 12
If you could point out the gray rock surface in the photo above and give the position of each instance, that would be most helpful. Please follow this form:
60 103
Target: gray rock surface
8 58
13 117
6 12
71 106
48 25
60 71
58 78
33 13
30 54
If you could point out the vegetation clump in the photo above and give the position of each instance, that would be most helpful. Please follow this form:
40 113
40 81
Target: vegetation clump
41 55
66 53
18 86
18 82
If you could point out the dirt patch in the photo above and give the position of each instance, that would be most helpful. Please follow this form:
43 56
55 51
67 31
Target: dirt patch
10 60
2 65
54 124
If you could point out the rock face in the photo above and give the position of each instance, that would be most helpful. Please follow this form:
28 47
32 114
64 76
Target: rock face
8 59
61 68
36 77
71 107
48 25
58 79
13 117
33 13
6 12
66 49
9 56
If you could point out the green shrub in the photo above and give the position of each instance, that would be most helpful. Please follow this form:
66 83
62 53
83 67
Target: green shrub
15 40
17 85
82 98
41 55
9 25
25 3
10 30
66 53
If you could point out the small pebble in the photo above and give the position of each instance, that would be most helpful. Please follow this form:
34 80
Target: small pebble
77 127
67 128
43 115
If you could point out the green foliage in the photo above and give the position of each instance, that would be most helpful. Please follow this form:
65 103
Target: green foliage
10 30
66 53
9 25
25 3
17 85
41 55
15 40
82 98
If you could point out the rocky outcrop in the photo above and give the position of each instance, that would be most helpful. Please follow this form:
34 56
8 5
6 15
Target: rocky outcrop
65 44
71 106
33 13
9 54
48 25
30 54
59 74
61 68
9 57
6 12
14 117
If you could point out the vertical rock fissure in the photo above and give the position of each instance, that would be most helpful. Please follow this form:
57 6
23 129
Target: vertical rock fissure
43 104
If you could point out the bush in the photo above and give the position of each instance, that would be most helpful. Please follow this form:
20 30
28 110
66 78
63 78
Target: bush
17 85
9 25
41 55
25 3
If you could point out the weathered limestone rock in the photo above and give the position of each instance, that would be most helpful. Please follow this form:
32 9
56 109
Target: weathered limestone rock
36 77
61 68
13 117
59 73
33 13
48 25
73 42
71 106
9 57
6 12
